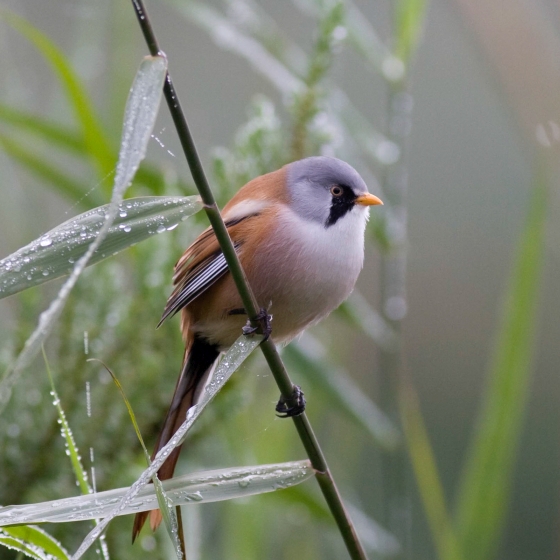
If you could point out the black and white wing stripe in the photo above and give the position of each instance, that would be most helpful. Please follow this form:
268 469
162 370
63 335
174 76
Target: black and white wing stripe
198 281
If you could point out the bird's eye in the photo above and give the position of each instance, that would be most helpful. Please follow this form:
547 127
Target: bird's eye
336 191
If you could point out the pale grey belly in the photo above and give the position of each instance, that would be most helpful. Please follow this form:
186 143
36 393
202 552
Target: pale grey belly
299 291
299 283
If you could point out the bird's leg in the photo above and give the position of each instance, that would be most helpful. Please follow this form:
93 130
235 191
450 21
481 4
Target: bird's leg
293 406
264 320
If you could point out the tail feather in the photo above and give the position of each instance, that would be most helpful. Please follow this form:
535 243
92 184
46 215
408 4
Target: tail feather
198 361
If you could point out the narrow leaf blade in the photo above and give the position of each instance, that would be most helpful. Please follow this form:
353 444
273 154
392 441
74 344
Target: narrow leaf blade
196 488
140 114
94 137
231 361
53 254
484 490
427 475
35 540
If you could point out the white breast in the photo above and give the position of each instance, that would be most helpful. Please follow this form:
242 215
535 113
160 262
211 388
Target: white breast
310 269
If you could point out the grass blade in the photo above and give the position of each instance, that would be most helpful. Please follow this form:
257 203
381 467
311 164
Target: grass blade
97 144
164 503
141 110
44 170
409 23
69 142
427 476
486 483
35 124
231 361
53 254
33 542
71 447
196 488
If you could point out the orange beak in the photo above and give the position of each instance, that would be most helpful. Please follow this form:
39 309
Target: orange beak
368 199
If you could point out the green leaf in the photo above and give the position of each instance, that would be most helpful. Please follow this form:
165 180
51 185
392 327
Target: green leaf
233 358
54 253
69 142
203 487
33 542
485 486
94 137
72 448
140 114
37 125
409 24
21 547
44 170
164 503
427 476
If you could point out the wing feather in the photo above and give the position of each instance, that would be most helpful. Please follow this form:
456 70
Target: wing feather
195 283
203 263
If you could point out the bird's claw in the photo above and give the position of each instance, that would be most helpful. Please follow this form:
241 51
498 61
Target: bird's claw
293 406
264 320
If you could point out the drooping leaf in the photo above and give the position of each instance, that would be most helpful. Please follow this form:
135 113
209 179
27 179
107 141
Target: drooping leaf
230 362
33 542
140 114
94 137
485 486
54 253
427 476
196 488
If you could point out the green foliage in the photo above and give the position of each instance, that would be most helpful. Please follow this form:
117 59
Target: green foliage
71 449
93 135
307 104
486 484
409 24
118 303
54 254
32 542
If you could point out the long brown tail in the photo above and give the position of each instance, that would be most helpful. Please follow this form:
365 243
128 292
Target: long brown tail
200 358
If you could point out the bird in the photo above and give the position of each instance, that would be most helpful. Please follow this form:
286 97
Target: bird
299 235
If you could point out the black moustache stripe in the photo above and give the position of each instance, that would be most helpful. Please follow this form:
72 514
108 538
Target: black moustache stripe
341 205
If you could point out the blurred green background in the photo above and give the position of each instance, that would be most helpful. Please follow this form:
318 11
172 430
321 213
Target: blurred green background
467 94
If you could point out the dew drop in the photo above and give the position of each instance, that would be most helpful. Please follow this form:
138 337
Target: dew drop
45 242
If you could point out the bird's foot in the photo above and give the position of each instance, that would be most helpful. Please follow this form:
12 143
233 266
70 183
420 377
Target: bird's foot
293 406
264 320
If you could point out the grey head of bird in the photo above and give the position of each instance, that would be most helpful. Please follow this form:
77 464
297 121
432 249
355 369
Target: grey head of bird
325 189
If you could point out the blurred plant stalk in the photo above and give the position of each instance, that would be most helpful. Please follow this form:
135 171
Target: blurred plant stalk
408 23
311 444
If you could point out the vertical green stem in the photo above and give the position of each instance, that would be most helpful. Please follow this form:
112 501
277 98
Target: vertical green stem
396 505
270 352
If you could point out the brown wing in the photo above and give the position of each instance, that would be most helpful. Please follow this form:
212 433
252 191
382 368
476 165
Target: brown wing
192 278
203 263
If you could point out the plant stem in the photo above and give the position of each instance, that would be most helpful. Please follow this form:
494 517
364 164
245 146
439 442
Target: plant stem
396 506
180 531
269 350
